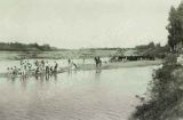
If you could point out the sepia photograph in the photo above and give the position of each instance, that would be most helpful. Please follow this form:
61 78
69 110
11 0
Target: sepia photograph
91 59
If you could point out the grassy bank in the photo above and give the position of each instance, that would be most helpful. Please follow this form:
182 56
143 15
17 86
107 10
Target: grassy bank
166 95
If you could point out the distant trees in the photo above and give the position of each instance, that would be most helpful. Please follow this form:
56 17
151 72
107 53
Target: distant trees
24 47
175 27
152 49
150 45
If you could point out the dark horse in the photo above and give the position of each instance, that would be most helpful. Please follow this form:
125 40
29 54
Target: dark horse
98 62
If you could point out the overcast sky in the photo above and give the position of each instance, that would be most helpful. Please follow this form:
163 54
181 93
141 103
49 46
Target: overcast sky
85 23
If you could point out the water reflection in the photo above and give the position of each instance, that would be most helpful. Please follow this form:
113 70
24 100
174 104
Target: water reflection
97 74
46 77
23 82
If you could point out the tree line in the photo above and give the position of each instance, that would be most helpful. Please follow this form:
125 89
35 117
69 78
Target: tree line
16 46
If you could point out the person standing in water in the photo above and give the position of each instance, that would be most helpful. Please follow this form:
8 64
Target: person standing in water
42 65
55 67
69 61
23 68
96 61
47 68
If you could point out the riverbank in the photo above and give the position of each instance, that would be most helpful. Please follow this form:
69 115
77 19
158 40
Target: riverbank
166 95
118 65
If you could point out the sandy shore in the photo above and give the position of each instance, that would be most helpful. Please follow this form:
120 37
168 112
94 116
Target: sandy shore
121 64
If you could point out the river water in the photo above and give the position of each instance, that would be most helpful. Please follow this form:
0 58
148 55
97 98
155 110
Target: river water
82 95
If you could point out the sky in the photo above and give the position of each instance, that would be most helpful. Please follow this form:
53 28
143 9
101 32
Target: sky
85 23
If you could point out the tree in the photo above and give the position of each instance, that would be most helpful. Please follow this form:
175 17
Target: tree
175 27
151 45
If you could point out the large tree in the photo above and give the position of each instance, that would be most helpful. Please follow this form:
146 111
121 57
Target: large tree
175 27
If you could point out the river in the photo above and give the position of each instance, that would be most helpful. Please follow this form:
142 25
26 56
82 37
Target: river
82 95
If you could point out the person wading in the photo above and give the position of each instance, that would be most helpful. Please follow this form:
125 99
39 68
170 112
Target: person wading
55 67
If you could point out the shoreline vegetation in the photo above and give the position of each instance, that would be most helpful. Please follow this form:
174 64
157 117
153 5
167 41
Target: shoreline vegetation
165 99
166 94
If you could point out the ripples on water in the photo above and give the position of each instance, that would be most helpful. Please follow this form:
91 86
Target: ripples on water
82 95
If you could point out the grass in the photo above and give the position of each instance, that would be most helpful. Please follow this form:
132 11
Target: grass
166 94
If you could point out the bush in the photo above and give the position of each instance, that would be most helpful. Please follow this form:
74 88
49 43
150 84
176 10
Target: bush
171 59
166 95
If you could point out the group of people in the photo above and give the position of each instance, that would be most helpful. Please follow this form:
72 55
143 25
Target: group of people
43 66
37 67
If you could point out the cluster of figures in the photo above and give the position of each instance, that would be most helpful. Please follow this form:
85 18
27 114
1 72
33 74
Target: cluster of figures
43 66
72 65
37 67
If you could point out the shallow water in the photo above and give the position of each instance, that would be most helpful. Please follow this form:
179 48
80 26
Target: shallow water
4 64
82 95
